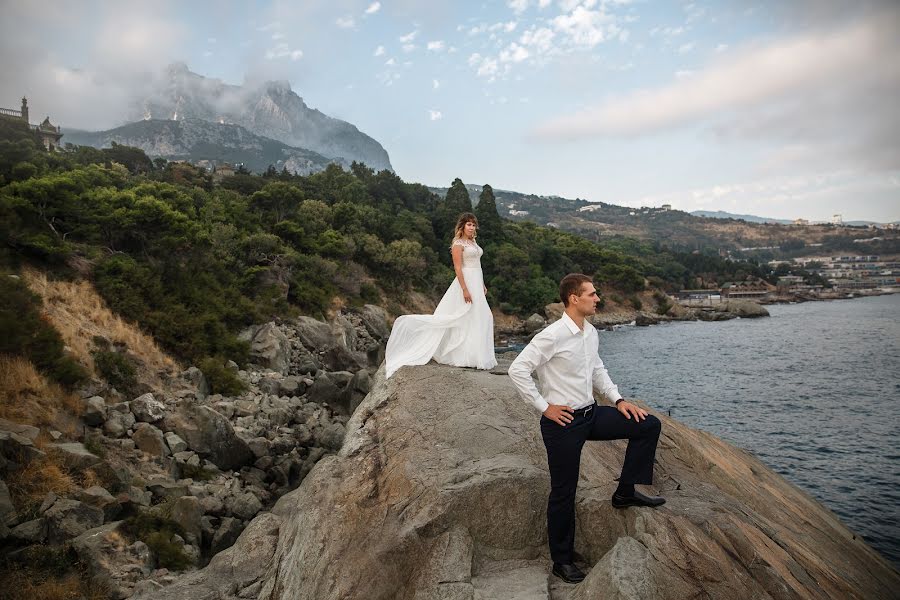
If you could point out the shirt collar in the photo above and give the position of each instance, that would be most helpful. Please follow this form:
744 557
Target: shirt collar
570 324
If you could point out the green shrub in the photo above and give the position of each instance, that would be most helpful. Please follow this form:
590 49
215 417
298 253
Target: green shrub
117 369
221 379
157 532
93 445
196 472
635 302
616 298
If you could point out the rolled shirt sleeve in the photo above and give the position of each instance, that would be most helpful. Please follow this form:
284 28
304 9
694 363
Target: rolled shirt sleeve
535 354
602 382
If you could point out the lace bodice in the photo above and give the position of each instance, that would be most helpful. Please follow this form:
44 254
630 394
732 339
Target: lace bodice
471 253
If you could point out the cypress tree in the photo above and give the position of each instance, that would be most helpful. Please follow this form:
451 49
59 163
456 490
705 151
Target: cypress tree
490 226
456 202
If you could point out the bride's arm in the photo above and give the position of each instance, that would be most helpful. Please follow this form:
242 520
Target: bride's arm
457 252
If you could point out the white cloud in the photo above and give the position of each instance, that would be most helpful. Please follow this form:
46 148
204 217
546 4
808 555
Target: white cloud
390 62
721 48
345 22
409 47
540 39
379 51
436 46
435 115
435 84
518 6
514 53
826 96
409 37
373 8
685 48
282 50
584 27
207 54
544 3
488 68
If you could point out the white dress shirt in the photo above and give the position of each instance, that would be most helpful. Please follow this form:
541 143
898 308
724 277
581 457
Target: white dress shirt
568 363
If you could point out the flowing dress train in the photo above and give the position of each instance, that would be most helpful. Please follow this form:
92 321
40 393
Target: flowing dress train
458 333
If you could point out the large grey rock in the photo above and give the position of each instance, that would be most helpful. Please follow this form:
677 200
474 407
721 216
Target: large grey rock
270 348
28 432
99 497
118 423
324 390
226 534
8 515
375 320
534 322
746 309
195 377
75 456
186 511
314 335
30 532
17 448
114 563
150 439
231 574
94 411
147 409
70 518
209 434
440 491
175 443
244 506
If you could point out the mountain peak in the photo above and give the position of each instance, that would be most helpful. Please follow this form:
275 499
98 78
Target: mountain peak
270 110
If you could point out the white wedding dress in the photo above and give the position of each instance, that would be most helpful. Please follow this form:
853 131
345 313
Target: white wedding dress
460 334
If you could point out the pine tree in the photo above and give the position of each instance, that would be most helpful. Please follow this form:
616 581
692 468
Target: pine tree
490 226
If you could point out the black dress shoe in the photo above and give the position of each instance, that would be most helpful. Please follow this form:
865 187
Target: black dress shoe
568 572
638 499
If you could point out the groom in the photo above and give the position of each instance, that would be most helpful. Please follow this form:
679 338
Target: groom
565 354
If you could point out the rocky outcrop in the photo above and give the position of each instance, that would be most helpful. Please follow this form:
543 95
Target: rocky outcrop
440 488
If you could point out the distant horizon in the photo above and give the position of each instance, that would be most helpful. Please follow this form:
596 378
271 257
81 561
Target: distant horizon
781 109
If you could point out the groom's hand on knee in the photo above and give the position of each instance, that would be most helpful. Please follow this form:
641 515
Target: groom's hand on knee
559 414
630 410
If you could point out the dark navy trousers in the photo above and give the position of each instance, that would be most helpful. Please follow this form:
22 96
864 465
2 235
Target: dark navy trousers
564 446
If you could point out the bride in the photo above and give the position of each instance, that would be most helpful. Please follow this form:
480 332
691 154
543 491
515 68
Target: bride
461 330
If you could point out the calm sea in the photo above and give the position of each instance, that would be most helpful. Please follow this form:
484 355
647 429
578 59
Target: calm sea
813 391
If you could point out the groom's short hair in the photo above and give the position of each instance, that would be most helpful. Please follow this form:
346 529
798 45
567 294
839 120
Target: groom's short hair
571 284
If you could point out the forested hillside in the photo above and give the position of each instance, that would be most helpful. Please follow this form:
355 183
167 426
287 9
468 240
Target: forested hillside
193 262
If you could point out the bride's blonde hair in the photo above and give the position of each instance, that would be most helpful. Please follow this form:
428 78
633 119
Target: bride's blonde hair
461 224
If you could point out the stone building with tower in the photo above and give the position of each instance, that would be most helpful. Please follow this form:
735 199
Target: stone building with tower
49 133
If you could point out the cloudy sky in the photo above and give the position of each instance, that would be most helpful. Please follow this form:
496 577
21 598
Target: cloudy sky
779 109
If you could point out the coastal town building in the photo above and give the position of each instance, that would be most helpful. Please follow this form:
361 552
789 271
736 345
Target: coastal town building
801 222
752 289
49 133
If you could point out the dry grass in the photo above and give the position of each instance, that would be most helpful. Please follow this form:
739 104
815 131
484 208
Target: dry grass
29 485
34 583
78 312
27 397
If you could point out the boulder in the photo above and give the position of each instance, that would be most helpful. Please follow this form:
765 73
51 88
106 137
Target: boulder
270 348
358 389
226 534
324 390
30 532
8 515
175 443
147 409
94 411
244 506
114 562
375 320
314 335
118 423
100 498
291 386
210 435
166 489
554 311
186 511
17 448
447 468
150 439
196 379
746 309
75 456
68 518
534 323
28 432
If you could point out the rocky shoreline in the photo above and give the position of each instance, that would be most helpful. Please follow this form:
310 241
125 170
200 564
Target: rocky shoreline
180 460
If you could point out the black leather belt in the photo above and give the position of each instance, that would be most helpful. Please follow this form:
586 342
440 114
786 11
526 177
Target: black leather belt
584 412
